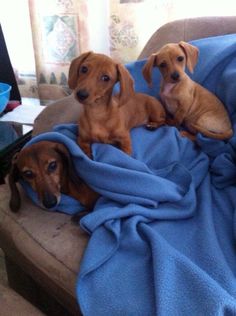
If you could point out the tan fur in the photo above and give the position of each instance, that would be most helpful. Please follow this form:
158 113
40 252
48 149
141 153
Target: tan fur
106 118
48 169
188 102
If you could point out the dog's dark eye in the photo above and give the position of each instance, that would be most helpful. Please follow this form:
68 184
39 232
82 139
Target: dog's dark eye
180 58
52 166
28 174
105 78
84 69
163 65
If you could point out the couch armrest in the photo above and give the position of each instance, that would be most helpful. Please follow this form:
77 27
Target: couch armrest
65 110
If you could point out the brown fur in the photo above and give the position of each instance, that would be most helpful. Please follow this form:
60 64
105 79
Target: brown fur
48 169
106 118
187 101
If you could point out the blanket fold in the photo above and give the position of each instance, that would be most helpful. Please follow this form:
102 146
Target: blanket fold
163 232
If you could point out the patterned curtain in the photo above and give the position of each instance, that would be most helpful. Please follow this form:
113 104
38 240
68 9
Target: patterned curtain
59 29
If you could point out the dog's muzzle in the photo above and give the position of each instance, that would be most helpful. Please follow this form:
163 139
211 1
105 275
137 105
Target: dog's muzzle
82 94
175 76
49 200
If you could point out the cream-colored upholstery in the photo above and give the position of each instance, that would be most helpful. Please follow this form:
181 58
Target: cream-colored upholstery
65 110
47 246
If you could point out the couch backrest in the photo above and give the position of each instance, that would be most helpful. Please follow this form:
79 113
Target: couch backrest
187 30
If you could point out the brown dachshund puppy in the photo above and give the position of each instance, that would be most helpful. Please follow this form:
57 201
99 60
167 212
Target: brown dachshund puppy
48 168
187 101
106 118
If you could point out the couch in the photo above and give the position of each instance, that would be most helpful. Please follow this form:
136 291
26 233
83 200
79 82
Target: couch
43 250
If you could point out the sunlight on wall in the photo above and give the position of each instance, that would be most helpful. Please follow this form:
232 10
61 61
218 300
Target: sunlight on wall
15 22
98 15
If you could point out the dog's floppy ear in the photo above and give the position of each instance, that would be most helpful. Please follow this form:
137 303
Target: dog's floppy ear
15 200
70 170
191 53
147 69
74 69
126 84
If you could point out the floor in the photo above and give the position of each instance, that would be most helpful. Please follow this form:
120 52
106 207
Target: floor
3 275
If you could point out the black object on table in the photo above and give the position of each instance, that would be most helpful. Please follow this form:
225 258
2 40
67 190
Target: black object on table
11 138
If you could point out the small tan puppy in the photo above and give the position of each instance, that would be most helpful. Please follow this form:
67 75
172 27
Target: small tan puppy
106 118
189 103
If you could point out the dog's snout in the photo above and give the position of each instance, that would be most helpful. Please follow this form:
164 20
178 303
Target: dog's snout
49 200
82 94
175 75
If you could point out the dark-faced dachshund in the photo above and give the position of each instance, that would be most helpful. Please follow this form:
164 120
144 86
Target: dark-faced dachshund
47 167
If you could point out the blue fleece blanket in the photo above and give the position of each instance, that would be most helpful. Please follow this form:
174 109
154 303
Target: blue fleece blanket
163 232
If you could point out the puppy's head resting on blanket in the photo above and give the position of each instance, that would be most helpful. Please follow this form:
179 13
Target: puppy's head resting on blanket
185 100
47 167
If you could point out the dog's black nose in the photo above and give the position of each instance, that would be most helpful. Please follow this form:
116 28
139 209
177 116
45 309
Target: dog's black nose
175 75
82 94
49 200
